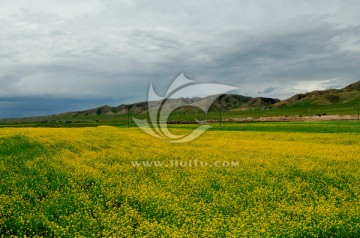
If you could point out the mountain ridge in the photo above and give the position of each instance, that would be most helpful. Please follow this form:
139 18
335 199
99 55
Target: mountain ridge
234 102
225 101
236 105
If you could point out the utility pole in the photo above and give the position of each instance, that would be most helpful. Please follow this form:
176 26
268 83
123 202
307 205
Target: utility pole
220 115
309 113
128 116
358 115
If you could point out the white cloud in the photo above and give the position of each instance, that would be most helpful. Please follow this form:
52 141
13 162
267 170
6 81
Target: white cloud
62 8
307 86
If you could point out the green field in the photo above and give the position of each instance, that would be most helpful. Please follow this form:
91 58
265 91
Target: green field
299 110
273 180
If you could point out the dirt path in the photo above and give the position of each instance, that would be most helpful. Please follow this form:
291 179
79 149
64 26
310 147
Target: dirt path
295 118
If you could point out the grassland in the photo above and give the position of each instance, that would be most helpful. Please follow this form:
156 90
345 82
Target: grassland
297 110
291 180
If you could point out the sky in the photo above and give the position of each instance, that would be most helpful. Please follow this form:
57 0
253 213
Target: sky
66 55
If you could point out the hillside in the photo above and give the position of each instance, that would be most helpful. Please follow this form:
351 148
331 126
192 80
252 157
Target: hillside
345 101
348 96
226 101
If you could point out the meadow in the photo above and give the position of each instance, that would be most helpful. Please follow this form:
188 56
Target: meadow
273 180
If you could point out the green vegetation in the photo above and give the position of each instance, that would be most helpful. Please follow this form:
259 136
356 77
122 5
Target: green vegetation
344 101
80 182
313 127
120 119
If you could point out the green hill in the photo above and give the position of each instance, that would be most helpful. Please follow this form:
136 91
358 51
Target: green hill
345 101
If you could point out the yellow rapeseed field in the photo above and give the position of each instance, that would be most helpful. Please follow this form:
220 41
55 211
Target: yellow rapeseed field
118 182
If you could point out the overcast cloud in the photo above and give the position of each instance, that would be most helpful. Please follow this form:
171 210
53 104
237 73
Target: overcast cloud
64 55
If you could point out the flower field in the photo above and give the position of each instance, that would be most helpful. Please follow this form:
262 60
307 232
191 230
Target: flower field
66 182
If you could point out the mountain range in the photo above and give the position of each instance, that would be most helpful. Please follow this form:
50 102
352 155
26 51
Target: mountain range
331 99
233 102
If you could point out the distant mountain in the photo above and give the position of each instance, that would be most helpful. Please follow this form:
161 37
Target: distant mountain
225 101
325 100
349 96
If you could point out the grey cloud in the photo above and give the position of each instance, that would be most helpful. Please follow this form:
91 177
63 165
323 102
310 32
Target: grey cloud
267 90
24 106
112 51
9 83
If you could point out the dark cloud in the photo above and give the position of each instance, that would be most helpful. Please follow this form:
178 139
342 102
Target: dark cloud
96 52
25 106
267 90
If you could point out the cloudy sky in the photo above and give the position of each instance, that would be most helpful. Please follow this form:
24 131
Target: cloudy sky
65 55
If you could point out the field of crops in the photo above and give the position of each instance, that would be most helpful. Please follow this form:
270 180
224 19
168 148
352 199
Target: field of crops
118 182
